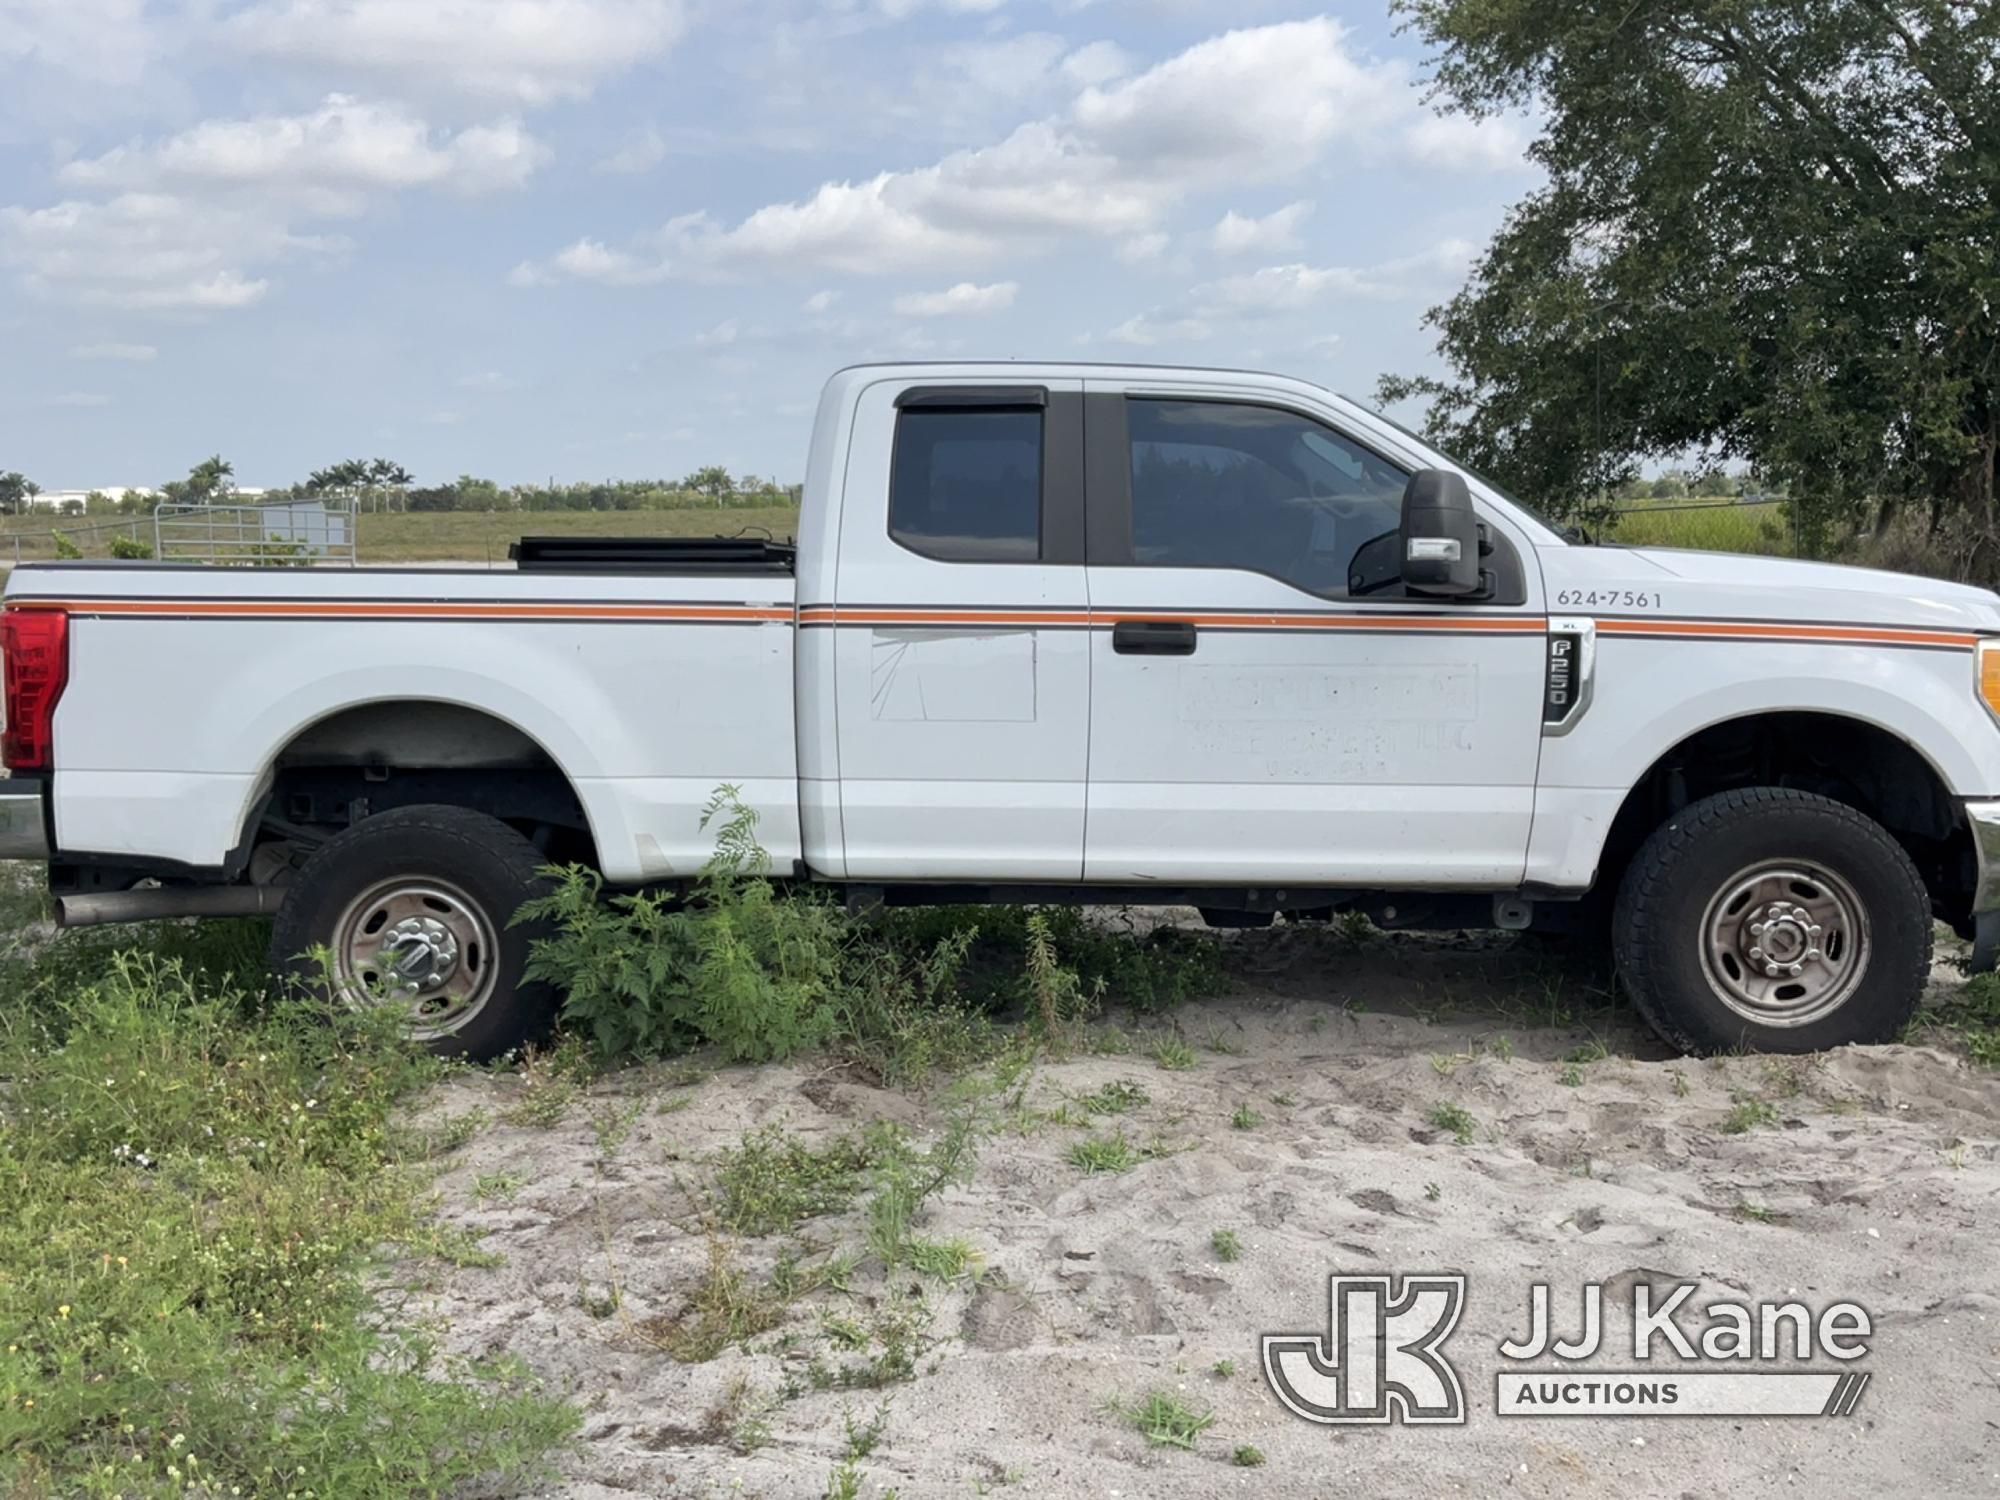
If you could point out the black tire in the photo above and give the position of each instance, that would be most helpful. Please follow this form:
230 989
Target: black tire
1673 898
462 872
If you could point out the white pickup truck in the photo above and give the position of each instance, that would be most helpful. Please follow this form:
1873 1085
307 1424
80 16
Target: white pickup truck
1050 633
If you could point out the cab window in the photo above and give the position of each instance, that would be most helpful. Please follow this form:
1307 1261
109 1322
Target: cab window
1227 485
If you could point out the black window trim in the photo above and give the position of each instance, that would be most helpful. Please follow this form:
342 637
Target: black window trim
1062 476
1108 502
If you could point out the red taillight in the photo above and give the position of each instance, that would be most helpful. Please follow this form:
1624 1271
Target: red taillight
35 643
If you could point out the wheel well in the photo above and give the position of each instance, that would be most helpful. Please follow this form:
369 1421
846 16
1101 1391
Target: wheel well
1850 761
369 759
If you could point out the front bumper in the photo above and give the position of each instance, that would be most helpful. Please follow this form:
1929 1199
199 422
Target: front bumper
24 825
1984 817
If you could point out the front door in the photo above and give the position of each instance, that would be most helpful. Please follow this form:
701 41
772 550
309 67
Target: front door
961 641
1254 719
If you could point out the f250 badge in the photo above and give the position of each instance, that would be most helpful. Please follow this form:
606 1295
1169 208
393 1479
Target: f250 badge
1566 684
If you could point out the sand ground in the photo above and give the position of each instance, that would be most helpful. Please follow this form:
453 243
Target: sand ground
1872 1176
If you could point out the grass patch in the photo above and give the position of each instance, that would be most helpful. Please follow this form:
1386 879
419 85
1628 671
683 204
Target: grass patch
1247 1457
727 1308
198 1181
1175 1055
947 1260
1115 1099
1165 1420
1104 1153
1748 1115
1226 1245
772 1182
1454 1120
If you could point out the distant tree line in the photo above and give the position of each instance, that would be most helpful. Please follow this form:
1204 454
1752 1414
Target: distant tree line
382 485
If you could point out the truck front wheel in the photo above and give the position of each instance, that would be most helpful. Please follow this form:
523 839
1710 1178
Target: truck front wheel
1773 920
412 909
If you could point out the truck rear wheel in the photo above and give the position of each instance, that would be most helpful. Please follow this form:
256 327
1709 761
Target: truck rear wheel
1773 920
413 908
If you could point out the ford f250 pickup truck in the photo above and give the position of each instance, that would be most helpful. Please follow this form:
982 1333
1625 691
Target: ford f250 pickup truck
1049 634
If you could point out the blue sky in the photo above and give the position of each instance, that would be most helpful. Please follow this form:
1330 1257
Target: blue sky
589 238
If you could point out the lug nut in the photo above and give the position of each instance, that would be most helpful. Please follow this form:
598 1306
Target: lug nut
1772 970
1797 970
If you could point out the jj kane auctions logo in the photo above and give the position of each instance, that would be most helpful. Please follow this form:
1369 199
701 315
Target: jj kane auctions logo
1381 1358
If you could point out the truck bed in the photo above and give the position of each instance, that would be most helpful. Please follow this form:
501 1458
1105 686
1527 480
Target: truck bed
648 688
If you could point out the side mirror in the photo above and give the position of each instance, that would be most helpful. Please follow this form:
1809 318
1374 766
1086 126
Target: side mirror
1439 544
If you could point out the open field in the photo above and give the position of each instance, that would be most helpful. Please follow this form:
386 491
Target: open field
436 536
1763 528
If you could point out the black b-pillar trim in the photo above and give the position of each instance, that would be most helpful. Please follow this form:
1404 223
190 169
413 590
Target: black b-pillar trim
1107 467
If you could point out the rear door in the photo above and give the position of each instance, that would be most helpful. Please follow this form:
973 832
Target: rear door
1266 712
962 649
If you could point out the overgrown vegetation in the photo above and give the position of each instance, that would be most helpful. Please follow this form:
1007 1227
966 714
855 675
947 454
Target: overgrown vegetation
764 974
1970 1019
199 1180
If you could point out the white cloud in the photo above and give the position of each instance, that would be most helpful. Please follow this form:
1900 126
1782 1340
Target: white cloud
897 10
325 160
1238 235
965 298
592 260
104 41
1282 289
134 354
1097 63
821 302
1291 290
722 336
1460 143
1249 106
641 154
1142 248
529 51
79 399
1147 330
188 222
486 380
150 251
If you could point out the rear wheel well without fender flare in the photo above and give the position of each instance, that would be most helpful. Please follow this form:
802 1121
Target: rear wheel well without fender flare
377 757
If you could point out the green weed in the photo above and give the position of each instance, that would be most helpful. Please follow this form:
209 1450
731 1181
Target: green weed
1455 1120
773 1182
1165 1420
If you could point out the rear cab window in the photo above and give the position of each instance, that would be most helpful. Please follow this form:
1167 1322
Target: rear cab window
966 483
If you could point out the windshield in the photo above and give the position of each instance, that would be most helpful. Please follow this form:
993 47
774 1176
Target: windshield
1561 529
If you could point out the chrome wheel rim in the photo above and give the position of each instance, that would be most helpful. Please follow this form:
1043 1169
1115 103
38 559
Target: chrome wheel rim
1784 943
421 946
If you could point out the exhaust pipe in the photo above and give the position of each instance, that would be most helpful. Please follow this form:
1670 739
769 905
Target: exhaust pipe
164 903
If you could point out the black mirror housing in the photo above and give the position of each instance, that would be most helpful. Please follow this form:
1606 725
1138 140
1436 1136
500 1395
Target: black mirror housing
1439 544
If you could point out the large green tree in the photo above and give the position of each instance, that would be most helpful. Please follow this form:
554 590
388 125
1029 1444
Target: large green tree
1770 232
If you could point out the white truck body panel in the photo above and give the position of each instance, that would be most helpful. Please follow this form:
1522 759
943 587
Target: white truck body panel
648 694
893 717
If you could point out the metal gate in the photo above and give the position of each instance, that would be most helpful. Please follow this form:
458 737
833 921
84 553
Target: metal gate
290 534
